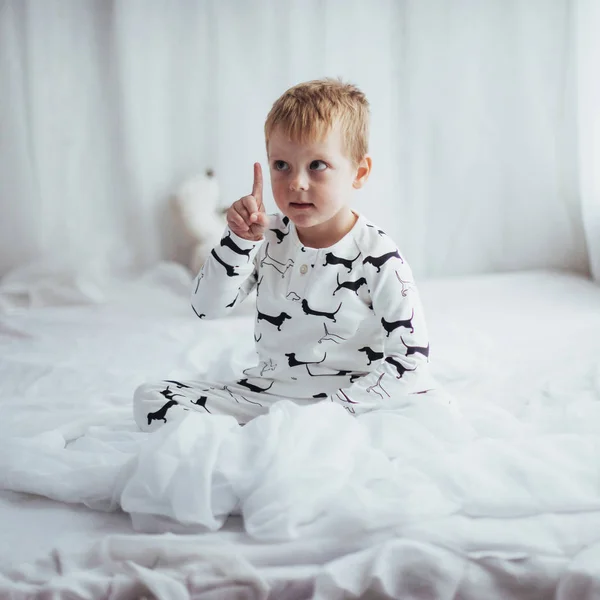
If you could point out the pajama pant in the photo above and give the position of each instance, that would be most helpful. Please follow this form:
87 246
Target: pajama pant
157 403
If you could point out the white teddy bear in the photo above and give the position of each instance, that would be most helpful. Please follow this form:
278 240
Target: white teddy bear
199 220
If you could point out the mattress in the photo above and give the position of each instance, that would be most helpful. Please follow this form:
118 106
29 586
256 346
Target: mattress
518 352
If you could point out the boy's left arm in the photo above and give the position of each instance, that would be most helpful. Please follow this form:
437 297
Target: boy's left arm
404 370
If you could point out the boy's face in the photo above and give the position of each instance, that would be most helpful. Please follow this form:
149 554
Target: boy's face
312 182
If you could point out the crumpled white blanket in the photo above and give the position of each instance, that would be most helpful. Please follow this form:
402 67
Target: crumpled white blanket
182 568
305 470
312 473
297 467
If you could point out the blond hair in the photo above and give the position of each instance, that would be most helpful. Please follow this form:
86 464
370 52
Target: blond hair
307 111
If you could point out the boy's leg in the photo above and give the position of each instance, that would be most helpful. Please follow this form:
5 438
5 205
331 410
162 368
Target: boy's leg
157 403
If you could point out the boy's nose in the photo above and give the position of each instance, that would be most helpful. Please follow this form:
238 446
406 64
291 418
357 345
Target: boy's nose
299 183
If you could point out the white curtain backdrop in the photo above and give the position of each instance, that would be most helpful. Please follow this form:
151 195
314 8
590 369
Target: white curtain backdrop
588 112
479 127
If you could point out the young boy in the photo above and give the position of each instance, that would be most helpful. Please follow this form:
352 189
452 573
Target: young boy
338 316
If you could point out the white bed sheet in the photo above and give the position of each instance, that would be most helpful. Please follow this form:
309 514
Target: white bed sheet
528 343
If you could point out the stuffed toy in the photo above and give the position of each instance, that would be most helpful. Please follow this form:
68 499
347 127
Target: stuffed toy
199 220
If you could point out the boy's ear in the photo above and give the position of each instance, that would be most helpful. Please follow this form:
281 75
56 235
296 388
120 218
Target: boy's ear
362 172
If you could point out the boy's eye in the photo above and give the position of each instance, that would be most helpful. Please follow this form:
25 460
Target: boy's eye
317 165
280 165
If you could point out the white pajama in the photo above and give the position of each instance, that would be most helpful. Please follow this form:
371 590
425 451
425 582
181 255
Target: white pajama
342 324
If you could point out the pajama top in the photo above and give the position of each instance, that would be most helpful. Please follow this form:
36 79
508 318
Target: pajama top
343 323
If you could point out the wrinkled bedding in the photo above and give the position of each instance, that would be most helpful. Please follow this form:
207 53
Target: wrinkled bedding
496 494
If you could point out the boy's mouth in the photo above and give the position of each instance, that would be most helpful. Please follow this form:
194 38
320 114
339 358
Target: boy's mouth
301 205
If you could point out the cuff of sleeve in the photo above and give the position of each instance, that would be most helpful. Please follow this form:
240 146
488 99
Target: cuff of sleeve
241 242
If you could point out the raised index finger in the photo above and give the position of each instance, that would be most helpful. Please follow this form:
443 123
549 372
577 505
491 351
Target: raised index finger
257 186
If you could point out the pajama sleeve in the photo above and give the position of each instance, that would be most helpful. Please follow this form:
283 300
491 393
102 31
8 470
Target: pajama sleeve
404 370
226 278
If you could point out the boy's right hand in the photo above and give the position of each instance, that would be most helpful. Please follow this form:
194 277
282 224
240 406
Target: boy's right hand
247 217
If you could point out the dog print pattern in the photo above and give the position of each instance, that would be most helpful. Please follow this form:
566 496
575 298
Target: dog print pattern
353 286
379 261
374 333
207 398
332 259
229 243
161 414
317 313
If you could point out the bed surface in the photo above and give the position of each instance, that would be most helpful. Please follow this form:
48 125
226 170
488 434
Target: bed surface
526 345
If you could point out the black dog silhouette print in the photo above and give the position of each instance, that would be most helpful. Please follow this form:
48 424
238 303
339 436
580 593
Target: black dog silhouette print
228 268
332 259
372 355
229 243
399 366
277 321
353 286
309 311
379 261
414 349
161 413
390 326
